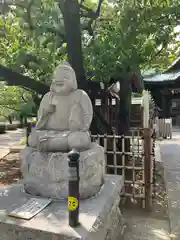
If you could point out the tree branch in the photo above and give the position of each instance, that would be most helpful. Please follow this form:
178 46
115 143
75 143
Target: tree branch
11 108
23 6
23 98
89 13
88 26
12 3
29 18
61 6
14 109
93 15
158 52
99 8
17 79
55 31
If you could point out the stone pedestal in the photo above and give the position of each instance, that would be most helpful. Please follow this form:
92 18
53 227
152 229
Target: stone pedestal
46 173
100 217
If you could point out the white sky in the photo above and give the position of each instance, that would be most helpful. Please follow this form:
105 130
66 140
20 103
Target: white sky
177 29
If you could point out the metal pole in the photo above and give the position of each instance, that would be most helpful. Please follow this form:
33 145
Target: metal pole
148 169
73 198
28 131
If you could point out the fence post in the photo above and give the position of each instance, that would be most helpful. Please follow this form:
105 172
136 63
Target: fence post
73 198
147 169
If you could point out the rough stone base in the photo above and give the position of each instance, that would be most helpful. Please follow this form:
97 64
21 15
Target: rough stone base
46 174
100 217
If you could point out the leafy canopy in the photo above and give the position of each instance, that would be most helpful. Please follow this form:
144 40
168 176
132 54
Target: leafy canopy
115 34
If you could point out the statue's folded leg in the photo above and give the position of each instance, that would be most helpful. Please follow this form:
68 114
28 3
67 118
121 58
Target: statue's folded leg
49 141
57 144
79 140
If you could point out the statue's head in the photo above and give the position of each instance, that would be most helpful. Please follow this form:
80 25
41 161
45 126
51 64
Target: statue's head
64 79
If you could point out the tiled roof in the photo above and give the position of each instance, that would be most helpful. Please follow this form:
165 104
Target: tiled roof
162 77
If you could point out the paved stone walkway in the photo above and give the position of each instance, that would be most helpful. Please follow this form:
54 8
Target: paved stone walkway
8 139
170 157
143 227
147 228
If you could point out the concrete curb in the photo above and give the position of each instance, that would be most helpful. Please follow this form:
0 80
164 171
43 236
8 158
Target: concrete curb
16 149
4 153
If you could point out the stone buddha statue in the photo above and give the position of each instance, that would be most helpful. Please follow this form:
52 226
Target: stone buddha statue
63 122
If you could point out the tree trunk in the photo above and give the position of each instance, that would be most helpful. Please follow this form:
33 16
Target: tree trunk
71 14
10 119
16 79
125 106
73 37
21 121
25 121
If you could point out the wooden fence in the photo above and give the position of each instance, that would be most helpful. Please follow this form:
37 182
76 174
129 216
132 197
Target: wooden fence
136 164
163 127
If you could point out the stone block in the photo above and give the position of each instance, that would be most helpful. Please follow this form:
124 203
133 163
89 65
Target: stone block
100 217
47 173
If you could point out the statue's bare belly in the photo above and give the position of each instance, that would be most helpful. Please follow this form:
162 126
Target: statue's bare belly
59 120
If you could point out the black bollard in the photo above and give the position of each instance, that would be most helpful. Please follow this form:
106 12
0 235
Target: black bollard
28 131
73 198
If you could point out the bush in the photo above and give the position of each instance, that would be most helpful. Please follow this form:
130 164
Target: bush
23 141
11 127
2 119
2 128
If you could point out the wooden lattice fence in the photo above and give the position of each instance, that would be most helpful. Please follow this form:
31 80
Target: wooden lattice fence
136 165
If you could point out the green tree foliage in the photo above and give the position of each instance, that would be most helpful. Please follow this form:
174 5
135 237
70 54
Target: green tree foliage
136 33
139 33
14 100
31 36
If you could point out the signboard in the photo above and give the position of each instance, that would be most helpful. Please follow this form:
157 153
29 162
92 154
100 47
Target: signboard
168 120
31 208
174 105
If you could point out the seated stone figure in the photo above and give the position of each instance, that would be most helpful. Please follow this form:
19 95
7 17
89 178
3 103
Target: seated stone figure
64 118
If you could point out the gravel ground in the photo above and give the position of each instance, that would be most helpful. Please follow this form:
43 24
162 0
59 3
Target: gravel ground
10 169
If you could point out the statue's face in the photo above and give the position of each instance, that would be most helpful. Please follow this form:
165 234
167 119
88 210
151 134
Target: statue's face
64 80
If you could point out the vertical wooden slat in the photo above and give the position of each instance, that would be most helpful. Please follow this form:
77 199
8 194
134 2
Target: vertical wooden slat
105 150
114 154
133 162
123 157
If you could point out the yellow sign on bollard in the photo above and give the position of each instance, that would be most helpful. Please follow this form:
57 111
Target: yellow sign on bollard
72 203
